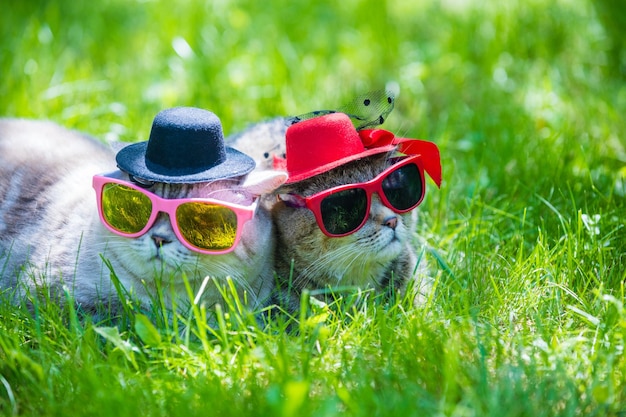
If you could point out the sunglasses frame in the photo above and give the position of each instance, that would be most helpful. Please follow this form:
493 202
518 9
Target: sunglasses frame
375 185
169 206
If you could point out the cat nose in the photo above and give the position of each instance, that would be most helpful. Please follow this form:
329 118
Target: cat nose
382 215
391 221
160 240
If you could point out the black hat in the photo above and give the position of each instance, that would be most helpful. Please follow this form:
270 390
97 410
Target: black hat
186 145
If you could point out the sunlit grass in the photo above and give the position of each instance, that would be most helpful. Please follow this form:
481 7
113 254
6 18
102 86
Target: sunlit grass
526 101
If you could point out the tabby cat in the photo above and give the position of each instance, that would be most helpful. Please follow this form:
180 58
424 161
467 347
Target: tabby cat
380 255
52 239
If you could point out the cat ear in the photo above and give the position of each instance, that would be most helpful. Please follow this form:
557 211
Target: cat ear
263 182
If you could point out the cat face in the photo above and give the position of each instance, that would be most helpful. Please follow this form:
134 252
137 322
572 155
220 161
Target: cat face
159 254
363 258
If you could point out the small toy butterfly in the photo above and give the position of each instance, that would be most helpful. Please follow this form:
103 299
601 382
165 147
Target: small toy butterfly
266 141
366 111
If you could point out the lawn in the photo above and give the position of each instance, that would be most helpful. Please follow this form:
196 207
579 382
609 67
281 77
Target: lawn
527 236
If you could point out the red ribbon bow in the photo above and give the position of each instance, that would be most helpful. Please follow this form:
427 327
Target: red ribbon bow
373 138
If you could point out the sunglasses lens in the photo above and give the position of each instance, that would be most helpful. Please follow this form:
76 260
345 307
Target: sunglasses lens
207 226
403 187
125 209
344 211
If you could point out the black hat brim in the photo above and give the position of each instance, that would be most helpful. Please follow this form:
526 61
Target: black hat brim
131 159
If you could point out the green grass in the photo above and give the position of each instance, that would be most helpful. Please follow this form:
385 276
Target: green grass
527 101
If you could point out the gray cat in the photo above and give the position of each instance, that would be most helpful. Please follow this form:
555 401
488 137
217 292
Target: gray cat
379 255
51 237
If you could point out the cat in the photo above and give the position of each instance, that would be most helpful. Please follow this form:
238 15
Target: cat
51 237
262 141
380 256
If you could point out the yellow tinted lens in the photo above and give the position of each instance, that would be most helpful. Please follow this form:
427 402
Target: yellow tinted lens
207 226
125 208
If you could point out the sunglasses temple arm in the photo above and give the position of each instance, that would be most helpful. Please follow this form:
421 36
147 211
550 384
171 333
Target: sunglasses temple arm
429 152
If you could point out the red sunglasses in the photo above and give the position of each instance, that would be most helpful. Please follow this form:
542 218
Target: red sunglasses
342 210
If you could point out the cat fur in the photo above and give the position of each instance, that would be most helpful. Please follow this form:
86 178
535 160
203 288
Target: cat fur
51 237
377 256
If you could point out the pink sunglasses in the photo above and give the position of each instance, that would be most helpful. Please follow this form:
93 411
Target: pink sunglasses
203 225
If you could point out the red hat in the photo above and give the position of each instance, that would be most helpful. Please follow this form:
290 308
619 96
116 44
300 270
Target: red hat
320 144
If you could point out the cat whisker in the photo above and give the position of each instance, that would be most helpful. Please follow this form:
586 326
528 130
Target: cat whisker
333 261
225 270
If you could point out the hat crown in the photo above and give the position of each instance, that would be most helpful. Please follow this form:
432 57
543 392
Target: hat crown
186 145
185 140
321 141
